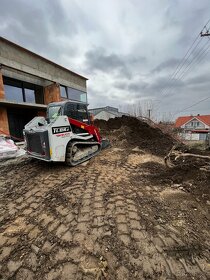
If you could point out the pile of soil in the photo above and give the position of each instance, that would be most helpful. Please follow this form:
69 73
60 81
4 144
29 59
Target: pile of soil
130 132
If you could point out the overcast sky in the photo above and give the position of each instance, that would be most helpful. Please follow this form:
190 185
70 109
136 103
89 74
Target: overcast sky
128 49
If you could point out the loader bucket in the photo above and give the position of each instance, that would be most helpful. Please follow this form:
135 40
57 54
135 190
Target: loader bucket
105 143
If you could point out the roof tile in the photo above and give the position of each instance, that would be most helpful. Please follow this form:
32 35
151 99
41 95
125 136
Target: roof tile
182 120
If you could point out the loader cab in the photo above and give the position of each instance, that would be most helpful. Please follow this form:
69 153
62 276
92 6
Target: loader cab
71 109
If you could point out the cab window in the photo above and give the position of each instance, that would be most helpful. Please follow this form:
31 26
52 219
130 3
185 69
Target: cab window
77 112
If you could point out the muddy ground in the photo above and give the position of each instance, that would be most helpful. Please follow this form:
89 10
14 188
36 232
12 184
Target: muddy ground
124 215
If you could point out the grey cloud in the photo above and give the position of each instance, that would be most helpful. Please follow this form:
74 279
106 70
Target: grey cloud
97 99
136 87
36 26
131 86
169 64
201 79
99 60
128 51
59 20
165 82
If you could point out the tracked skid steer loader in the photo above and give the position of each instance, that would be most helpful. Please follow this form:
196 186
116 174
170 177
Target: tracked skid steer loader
66 135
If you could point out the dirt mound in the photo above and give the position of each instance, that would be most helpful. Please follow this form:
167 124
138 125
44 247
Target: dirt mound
129 132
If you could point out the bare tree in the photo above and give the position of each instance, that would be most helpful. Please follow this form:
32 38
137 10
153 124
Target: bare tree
167 117
140 108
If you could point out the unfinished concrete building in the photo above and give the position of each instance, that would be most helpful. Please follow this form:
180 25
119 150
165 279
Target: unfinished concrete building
28 82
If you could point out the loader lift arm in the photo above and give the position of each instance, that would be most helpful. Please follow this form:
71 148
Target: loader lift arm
91 129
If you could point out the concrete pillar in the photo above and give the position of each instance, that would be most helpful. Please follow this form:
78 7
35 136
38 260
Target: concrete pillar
52 93
4 126
2 96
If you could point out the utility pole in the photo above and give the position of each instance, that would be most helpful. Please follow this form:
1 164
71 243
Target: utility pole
149 113
207 33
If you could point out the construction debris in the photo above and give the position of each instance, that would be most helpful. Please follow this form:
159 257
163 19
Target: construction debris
181 155
8 149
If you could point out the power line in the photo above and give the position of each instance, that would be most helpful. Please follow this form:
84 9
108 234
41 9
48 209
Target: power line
185 59
163 90
192 105
205 110
186 68
197 59
181 64
199 56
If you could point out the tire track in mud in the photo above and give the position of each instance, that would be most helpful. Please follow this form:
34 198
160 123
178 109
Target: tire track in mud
163 251
103 219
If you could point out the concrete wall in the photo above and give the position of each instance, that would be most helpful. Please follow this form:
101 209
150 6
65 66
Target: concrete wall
21 64
21 59
25 77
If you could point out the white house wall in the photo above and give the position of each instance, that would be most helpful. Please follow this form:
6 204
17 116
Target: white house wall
190 136
104 115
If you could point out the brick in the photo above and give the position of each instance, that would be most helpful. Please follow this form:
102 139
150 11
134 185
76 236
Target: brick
2 95
51 93
3 117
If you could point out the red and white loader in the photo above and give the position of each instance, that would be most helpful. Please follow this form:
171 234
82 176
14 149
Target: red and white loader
66 135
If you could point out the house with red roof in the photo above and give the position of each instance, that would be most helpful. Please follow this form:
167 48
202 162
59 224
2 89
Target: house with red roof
193 127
